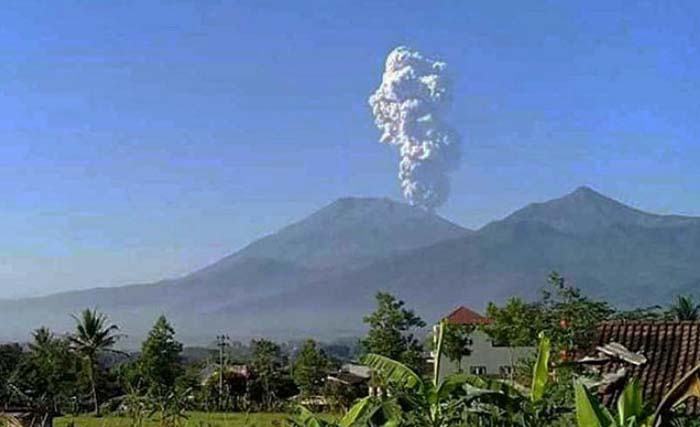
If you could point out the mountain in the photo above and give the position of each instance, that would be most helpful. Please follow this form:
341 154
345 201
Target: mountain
319 276
353 230
612 251
344 235
585 211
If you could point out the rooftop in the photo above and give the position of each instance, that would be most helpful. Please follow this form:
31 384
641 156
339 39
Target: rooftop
669 350
464 316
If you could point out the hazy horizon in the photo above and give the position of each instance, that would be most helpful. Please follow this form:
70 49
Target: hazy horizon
143 142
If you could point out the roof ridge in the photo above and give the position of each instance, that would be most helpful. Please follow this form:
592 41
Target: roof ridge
467 316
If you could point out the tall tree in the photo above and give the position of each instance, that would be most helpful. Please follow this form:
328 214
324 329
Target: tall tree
391 331
93 336
10 357
159 362
563 313
457 342
571 318
310 368
267 363
685 309
516 324
48 374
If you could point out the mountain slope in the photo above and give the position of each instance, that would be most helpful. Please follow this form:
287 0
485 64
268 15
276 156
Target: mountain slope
344 235
612 251
353 229
318 276
585 211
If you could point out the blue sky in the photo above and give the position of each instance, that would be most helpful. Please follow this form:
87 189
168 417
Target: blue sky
141 140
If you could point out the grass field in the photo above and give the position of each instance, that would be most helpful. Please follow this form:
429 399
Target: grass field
195 419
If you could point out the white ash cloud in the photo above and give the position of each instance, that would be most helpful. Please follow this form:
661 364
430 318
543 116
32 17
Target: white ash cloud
407 108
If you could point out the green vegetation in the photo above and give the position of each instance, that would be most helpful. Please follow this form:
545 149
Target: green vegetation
311 368
276 385
685 309
391 331
631 409
94 335
194 419
563 313
567 321
457 400
158 365
457 342
48 375
272 379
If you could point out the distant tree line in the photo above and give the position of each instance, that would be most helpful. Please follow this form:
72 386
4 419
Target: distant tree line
85 372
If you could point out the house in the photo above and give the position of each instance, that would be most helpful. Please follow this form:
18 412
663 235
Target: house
486 358
351 374
658 353
212 371
349 383
353 377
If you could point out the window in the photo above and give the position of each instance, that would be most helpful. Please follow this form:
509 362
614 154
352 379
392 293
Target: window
505 371
477 370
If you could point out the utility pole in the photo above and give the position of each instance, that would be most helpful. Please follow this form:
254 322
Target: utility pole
221 343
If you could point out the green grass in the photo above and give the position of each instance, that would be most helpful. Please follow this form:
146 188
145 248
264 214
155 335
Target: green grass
195 419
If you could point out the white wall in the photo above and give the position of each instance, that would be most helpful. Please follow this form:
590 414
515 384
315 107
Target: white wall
485 355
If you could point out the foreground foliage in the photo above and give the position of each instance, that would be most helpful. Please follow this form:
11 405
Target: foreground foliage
194 419
631 410
407 399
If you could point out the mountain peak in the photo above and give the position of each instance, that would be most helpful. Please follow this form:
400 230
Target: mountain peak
365 205
585 210
351 229
585 193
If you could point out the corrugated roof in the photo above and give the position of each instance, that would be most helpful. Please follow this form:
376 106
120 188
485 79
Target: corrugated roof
672 349
464 316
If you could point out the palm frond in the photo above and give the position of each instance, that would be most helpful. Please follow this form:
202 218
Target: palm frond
393 371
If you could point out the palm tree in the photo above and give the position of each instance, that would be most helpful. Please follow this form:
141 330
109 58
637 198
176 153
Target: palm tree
685 309
93 335
43 338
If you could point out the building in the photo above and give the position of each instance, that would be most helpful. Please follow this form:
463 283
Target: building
487 358
211 370
658 353
349 383
352 374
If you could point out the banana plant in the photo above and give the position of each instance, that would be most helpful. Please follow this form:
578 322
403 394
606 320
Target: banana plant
466 397
523 406
688 386
411 400
540 372
367 412
631 411
430 403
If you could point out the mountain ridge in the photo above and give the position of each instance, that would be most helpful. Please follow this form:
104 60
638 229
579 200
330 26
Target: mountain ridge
318 275
585 209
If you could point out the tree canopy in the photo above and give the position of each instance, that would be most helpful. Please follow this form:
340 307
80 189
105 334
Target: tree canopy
159 362
391 331
310 368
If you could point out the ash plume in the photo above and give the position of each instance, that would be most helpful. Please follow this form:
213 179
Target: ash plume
407 108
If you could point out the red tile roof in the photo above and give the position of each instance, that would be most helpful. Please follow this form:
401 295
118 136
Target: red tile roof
464 316
672 349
